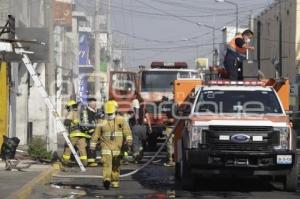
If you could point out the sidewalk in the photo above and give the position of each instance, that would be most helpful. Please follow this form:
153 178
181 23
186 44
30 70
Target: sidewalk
19 184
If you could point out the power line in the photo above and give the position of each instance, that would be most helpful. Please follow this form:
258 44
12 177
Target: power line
192 6
162 11
168 15
171 41
150 40
185 16
170 48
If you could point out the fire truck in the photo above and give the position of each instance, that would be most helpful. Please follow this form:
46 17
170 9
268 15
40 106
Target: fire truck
234 128
154 89
123 88
156 93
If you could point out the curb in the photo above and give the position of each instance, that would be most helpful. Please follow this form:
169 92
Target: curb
26 190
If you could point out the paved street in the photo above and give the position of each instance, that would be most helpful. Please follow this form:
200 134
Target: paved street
220 79
157 181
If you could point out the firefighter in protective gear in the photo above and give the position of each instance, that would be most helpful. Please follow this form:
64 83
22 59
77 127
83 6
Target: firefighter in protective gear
88 118
170 148
167 109
114 133
236 54
139 130
77 137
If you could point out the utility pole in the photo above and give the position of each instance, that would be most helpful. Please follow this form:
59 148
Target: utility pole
258 44
214 50
236 13
13 89
97 53
280 41
50 75
236 18
109 37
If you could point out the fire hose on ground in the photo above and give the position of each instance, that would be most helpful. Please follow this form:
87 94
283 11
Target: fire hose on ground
132 172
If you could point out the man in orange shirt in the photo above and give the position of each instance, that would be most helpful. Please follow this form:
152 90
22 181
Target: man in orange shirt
237 53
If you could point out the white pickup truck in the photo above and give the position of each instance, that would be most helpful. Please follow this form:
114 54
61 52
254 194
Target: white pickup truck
236 128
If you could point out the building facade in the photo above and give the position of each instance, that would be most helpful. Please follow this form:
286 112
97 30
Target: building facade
277 41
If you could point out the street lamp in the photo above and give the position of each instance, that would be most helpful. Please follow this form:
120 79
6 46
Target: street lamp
236 12
214 39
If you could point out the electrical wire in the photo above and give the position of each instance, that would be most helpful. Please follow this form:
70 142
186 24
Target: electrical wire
193 6
241 11
176 47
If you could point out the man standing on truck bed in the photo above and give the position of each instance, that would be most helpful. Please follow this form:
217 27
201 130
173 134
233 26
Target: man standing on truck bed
236 54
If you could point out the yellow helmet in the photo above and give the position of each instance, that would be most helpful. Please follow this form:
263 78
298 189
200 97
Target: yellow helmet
110 107
70 103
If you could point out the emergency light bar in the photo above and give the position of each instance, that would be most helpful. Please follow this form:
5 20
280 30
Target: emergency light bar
237 83
175 65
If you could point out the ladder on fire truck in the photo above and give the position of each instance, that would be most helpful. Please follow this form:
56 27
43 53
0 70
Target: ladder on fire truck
14 45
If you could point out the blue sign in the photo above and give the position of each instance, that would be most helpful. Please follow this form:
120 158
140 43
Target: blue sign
84 50
84 62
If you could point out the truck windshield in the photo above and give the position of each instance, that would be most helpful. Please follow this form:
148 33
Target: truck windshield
161 81
123 81
232 101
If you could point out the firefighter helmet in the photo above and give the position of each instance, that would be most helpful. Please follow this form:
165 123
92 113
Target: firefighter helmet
71 103
110 107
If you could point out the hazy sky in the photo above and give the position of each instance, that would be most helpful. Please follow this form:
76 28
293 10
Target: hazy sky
167 30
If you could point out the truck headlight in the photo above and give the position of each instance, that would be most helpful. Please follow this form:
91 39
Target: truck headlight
284 138
195 136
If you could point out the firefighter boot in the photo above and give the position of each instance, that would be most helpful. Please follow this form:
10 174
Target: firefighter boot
106 184
115 184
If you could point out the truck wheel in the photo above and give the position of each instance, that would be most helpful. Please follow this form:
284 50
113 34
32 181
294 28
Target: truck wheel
152 142
177 171
291 180
187 179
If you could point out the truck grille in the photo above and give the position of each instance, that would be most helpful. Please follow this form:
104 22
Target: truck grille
270 138
242 147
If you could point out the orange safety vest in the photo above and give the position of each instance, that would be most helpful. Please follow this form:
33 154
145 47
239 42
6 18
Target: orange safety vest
232 46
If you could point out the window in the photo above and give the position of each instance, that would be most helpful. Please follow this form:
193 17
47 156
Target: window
231 101
123 81
162 81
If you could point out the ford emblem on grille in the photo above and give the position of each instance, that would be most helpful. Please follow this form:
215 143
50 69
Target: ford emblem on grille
240 138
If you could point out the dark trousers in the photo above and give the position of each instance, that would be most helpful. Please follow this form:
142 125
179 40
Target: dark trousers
139 134
234 67
91 154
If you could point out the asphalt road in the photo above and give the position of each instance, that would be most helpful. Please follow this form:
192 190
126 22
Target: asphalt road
157 181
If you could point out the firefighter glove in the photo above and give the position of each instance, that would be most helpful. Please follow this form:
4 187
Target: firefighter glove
67 122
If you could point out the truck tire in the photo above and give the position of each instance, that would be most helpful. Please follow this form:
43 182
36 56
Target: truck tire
291 180
187 179
177 171
152 142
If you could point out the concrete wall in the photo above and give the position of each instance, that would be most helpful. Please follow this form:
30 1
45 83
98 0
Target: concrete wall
297 36
22 105
269 19
29 105
4 11
36 106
